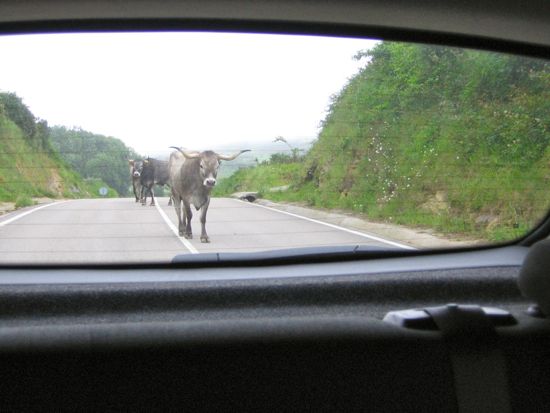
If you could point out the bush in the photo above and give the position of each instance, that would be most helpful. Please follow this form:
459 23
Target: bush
24 201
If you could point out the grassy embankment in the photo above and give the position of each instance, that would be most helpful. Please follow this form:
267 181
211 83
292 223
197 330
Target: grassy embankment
29 168
448 139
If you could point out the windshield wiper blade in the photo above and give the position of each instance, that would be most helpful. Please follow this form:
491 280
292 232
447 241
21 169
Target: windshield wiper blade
289 256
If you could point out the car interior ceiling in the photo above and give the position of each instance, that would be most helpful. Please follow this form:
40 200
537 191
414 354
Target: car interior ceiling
463 330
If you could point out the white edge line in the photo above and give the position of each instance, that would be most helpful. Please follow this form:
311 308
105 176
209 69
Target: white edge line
186 243
30 211
361 234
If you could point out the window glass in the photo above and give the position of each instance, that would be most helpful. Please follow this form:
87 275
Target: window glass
286 141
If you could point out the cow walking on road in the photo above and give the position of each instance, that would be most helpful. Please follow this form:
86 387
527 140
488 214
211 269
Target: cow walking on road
192 177
135 174
153 172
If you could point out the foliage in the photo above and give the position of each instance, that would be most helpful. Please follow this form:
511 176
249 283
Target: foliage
285 158
452 139
95 156
23 201
29 167
94 185
281 157
27 172
34 131
14 108
260 179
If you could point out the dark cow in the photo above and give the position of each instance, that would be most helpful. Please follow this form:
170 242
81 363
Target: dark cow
192 177
154 171
135 174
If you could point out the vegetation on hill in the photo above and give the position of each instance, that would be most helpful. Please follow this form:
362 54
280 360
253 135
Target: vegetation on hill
452 139
29 167
95 156
268 178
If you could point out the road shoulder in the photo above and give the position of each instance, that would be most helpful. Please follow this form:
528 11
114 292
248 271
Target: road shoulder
419 238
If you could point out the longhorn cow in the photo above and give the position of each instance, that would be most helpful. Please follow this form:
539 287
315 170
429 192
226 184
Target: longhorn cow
192 177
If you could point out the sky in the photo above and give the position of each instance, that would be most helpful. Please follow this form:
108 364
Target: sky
195 90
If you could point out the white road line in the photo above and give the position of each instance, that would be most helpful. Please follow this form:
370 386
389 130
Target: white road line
361 234
186 243
30 211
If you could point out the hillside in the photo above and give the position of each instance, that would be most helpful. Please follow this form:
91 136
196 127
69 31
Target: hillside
95 156
29 165
451 139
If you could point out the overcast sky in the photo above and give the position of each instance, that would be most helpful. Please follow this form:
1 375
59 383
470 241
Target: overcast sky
186 89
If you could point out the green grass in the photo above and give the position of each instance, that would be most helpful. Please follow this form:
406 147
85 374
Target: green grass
23 201
27 172
494 205
259 179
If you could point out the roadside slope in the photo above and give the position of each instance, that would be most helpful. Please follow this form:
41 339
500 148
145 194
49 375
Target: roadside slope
29 167
453 140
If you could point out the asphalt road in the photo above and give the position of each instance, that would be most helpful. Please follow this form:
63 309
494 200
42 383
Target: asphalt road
121 231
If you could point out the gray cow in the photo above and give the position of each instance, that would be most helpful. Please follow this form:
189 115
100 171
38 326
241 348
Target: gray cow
192 177
153 172
135 173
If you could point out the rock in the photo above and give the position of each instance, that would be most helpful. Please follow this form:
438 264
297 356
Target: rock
279 188
246 196
6 207
488 221
436 203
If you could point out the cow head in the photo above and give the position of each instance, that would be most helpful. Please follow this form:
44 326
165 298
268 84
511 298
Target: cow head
208 163
135 168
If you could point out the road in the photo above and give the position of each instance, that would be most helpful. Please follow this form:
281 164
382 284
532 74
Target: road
121 231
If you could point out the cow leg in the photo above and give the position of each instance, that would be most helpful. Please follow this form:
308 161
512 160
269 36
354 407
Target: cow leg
177 207
147 189
151 191
188 215
135 188
143 196
170 197
204 209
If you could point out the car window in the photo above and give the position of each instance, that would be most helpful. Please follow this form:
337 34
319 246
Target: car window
140 147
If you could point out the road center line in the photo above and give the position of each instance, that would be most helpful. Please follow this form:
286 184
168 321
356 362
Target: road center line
30 211
186 243
361 234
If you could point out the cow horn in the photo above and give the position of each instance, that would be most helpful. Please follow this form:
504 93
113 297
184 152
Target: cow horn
230 158
188 155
